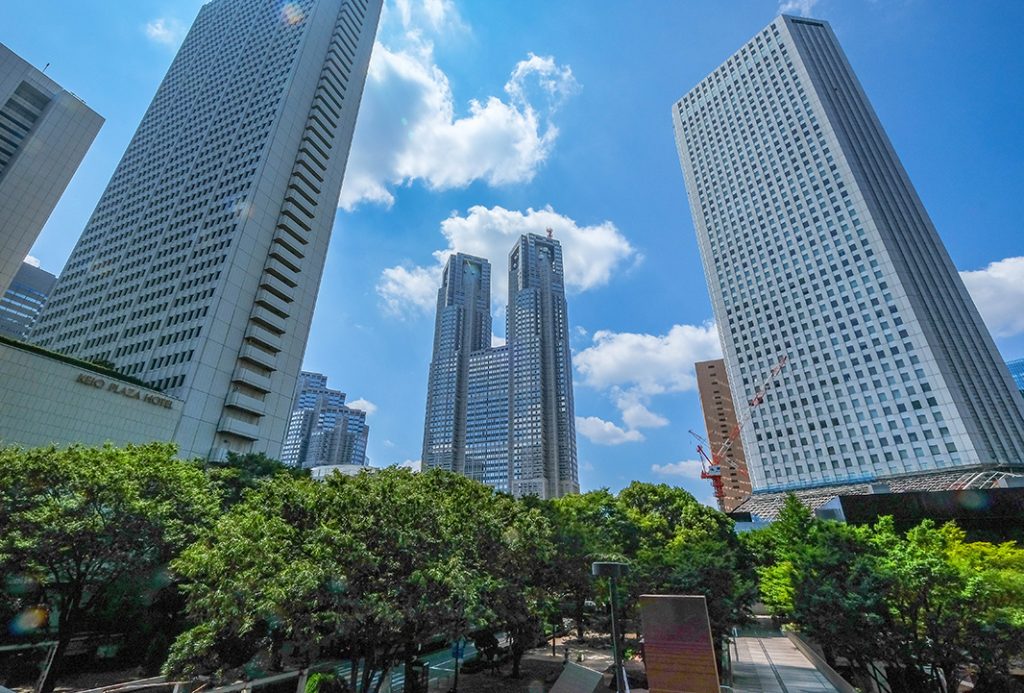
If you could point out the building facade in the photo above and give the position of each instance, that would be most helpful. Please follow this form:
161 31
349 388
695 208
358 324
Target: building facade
1016 369
816 247
199 269
720 420
48 399
462 327
322 429
24 299
542 431
45 132
504 415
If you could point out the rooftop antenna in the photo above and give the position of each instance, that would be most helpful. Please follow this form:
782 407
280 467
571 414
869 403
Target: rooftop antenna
47 65
551 232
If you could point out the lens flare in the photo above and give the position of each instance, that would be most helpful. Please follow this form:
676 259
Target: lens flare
292 14
29 621
972 500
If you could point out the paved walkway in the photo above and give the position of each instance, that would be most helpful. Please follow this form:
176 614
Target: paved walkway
772 664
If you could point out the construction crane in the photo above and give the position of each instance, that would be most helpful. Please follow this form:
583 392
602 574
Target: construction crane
711 466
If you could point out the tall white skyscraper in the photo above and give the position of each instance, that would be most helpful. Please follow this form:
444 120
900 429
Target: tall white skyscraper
504 415
199 269
45 132
816 246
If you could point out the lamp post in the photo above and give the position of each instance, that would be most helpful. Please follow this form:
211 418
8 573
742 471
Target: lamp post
614 571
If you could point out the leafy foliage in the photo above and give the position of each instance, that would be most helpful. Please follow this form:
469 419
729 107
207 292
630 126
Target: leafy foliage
926 604
80 521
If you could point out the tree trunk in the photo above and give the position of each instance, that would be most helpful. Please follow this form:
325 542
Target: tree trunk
517 655
353 674
579 615
64 632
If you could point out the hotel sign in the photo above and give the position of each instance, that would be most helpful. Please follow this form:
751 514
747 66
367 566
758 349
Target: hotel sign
124 389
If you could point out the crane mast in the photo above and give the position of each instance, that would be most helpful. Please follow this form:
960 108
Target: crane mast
711 466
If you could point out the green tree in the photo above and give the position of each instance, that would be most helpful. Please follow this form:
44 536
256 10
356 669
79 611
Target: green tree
239 473
685 547
586 527
80 520
367 567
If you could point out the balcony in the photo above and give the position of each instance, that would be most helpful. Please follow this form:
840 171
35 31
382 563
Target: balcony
253 354
237 427
272 302
264 337
286 274
272 283
252 379
246 403
272 321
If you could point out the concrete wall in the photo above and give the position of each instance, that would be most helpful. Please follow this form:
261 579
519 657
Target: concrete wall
44 400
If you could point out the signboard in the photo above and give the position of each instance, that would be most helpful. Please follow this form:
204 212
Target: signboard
678 650
124 390
577 679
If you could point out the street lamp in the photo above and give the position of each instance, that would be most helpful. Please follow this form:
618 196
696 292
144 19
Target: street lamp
614 571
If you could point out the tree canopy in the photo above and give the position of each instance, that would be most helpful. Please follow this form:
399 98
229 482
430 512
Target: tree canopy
79 521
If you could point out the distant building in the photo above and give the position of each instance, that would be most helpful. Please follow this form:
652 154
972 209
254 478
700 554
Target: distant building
1016 369
45 132
504 416
198 271
24 298
322 430
817 247
719 421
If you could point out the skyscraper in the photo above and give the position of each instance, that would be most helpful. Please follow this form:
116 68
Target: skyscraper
816 246
463 326
198 271
504 415
45 132
1016 369
542 417
24 298
322 429
720 420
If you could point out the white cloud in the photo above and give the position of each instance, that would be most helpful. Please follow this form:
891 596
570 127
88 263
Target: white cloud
647 363
497 341
363 404
388 444
166 30
591 254
408 128
415 465
403 288
602 432
998 291
801 7
632 368
688 469
30 260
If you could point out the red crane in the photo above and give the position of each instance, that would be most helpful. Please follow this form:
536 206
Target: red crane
711 467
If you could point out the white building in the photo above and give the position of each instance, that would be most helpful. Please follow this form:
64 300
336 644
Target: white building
199 269
816 246
45 132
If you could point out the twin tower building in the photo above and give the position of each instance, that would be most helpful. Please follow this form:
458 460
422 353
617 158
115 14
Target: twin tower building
504 415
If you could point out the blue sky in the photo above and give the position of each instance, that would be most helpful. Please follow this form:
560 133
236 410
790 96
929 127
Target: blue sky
482 120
